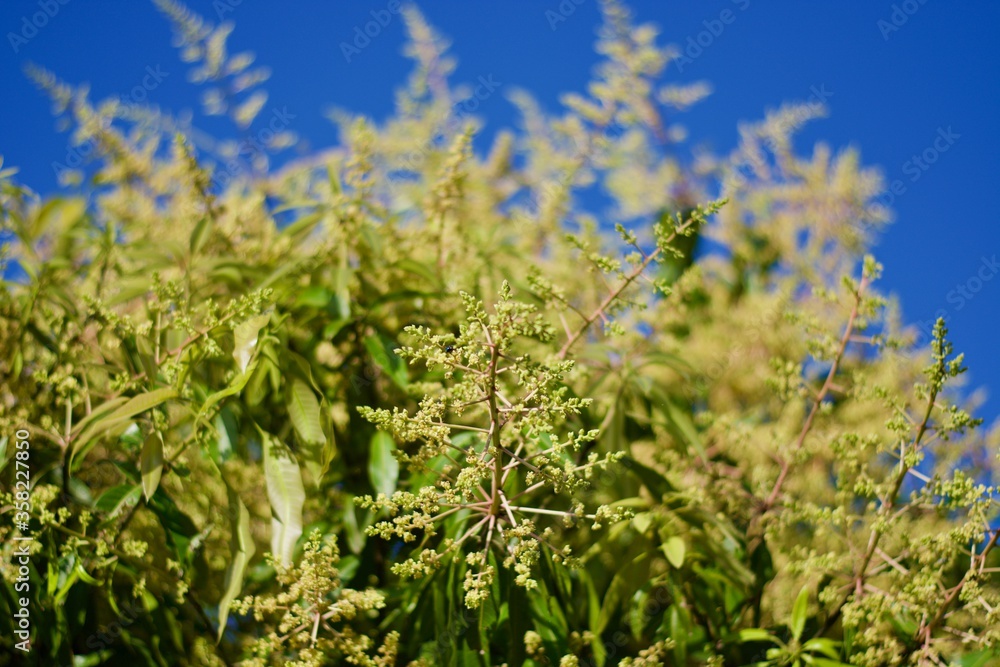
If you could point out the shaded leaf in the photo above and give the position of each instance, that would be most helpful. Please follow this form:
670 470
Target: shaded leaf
241 550
118 417
381 350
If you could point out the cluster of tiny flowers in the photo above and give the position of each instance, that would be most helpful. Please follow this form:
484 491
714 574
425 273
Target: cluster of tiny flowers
494 434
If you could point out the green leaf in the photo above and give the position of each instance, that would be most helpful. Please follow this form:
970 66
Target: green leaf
823 645
151 463
303 409
117 498
628 579
799 613
236 387
520 622
674 549
179 528
245 340
222 448
84 575
657 484
199 234
756 635
383 468
286 494
241 550
355 537
302 227
642 521
980 658
134 406
381 350
147 358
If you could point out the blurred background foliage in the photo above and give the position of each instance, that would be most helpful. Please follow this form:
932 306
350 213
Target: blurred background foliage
188 339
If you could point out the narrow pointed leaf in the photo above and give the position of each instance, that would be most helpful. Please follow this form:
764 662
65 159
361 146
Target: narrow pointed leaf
303 409
383 468
245 340
130 409
286 494
799 612
151 463
241 550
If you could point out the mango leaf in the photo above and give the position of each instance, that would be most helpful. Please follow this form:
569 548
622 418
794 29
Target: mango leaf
59 213
301 228
245 339
822 645
381 350
799 613
520 622
147 358
178 527
657 484
151 463
383 468
674 549
241 550
236 387
628 579
222 448
286 494
118 417
756 635
199 234
303 409
115 499
355 537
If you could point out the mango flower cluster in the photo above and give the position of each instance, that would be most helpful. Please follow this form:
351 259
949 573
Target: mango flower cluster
493 437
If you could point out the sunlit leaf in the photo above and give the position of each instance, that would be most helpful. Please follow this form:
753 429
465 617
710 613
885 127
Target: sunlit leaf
245 340
286 494
383 468
151 463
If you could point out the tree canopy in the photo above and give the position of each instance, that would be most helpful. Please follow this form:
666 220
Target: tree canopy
582 399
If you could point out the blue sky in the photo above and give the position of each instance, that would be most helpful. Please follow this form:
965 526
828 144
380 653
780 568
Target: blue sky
914 85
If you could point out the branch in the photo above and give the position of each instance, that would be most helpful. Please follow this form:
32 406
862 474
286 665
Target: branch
610 298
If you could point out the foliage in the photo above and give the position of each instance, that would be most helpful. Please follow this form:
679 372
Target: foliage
541 428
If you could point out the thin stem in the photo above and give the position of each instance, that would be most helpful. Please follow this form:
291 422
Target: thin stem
786 465
614 294
496 443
